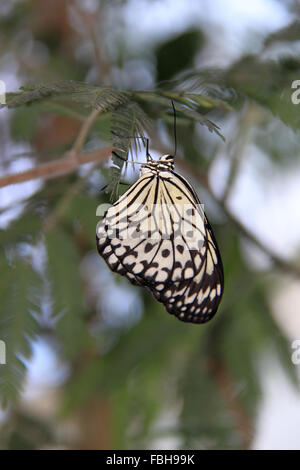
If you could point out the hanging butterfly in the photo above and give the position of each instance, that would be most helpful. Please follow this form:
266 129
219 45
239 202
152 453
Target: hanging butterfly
157 236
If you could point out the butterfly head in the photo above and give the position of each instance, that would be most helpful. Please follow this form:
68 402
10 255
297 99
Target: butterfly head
167 160
164 163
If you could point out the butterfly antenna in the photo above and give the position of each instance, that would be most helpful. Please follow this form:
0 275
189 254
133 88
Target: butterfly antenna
175 135
149 158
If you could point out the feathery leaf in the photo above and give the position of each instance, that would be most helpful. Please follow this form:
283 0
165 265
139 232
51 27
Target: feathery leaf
18 324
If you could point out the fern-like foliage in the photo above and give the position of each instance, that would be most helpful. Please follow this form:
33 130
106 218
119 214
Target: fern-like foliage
18 323
207 87
128 127
87 95
68 306
129 121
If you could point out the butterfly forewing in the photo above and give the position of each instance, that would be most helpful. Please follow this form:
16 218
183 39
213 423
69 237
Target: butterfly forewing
157 235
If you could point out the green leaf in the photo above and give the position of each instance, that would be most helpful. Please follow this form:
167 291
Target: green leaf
194 115
205 421
190 106
269 84
30 433
92 96
128 127
24 122
18 324
142 360
289 33
66 288
207 101
177 54
82 212
25 228
209 84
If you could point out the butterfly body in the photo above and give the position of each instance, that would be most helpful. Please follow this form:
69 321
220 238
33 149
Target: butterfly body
157 235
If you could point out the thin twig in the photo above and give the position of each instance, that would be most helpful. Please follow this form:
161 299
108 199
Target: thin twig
56 215
226 387
71 160
89 20
285 265
82 135
57 167
247 118
61 208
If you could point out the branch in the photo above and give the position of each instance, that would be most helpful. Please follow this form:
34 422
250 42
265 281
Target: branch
68 163
287 266
57 167
283 264
247 118
83 132
56 215
91 24
227 389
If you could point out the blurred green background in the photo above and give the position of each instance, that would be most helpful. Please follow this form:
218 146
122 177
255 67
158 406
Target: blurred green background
91 361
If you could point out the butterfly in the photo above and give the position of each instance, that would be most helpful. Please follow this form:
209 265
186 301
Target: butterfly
157 236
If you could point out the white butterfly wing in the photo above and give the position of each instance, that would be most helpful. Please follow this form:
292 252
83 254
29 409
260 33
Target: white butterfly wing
157 236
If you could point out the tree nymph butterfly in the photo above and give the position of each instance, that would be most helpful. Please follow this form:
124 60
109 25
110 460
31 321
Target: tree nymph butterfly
157 236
